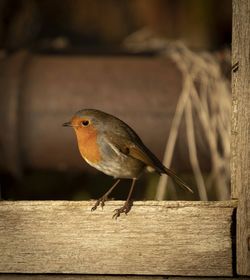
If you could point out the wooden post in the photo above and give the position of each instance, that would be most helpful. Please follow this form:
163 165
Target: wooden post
240 164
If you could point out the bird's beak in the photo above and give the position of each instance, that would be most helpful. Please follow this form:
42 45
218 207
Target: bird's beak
67 124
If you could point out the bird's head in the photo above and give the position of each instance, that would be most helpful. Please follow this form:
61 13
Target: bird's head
87 124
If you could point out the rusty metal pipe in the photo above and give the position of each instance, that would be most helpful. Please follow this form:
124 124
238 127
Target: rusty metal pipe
41 92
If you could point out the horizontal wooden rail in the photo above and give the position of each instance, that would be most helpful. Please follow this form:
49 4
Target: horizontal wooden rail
105 277
155 238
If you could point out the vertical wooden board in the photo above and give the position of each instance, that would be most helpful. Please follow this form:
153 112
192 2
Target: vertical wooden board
240 143
155 238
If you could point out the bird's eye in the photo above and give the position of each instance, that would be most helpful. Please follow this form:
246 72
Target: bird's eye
85 123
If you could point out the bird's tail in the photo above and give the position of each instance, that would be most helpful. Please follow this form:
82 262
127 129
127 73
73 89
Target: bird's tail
177 179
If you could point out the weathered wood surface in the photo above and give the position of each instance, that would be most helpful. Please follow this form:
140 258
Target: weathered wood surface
82 277
240 166
157 238
105 277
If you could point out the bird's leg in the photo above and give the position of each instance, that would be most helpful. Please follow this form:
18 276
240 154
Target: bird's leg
105 196
127 205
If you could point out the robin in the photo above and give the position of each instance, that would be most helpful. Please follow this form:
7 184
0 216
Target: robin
111 146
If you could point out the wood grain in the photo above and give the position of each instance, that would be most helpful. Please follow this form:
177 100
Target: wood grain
240 163
84 277
104 277
155 238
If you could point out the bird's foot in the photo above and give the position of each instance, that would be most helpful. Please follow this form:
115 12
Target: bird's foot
124 209
101 201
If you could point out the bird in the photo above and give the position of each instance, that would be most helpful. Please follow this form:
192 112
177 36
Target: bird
111 146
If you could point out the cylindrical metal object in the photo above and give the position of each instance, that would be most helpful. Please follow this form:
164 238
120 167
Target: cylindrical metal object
40 92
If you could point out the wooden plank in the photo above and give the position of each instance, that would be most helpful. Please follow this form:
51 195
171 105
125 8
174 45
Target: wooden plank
103 277
80 277
240 165
155 238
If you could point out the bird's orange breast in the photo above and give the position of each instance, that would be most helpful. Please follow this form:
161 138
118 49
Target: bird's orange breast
87 144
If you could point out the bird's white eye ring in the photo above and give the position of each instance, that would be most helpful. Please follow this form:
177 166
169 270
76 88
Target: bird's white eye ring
85 123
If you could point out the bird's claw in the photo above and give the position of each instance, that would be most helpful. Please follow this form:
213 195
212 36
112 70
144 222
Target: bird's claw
101 201
93 208
124 209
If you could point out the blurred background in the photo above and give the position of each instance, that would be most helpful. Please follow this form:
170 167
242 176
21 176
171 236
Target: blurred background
162 66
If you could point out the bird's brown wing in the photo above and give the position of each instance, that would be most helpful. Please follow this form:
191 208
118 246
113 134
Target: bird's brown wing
139 151
151 160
